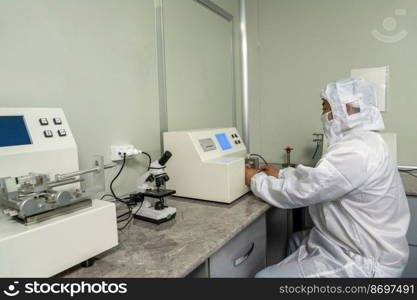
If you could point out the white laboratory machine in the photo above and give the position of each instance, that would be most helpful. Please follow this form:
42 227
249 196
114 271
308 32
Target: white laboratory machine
48 222
207 164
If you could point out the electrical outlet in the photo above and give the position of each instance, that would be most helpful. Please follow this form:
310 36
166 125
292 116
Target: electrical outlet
118 151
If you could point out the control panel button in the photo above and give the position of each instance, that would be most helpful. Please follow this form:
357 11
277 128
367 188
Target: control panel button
236 142
43 121
62 132
48 133
57 121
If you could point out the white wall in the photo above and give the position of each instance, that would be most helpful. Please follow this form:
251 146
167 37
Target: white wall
199 66
304 44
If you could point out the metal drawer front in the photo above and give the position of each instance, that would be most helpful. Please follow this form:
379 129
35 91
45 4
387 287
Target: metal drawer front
244 255
412 230
411 269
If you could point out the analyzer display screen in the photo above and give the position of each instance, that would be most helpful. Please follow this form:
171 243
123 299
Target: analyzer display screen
223 141
13 131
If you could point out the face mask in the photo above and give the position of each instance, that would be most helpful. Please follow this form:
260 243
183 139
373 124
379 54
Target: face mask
332 129
326 125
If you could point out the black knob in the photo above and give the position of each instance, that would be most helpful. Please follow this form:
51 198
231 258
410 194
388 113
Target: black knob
159 205
151 178
159 181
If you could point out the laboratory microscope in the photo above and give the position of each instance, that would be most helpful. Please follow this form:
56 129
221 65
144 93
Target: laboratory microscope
152 185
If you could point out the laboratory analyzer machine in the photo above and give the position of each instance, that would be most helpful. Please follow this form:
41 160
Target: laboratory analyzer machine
207 164
49 222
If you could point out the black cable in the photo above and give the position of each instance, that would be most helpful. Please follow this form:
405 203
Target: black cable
117 176
124 202
106 195
129 215
126 224
128 201
125 219
150 159
124 214
132 215
257 155
114 194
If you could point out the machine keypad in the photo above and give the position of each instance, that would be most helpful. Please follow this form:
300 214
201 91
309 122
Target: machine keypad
43 121
57 121
48 133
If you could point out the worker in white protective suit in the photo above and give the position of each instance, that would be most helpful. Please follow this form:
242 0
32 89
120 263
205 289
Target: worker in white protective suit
355 195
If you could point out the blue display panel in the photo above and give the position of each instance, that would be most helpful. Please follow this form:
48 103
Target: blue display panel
223 141
13 131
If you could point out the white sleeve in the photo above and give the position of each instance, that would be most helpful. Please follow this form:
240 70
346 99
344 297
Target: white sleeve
334 176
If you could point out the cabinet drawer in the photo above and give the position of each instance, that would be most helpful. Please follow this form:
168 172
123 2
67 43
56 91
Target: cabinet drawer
411 269
244 255
412 230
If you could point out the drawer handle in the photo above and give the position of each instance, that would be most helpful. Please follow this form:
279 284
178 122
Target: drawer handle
242 259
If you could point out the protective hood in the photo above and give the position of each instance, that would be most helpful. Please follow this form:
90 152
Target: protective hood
354 107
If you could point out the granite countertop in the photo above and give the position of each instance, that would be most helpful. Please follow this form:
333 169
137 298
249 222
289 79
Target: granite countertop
175 248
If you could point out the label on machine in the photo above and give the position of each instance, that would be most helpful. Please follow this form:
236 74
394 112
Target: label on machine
207 145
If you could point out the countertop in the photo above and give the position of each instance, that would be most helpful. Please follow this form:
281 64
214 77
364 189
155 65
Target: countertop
175 248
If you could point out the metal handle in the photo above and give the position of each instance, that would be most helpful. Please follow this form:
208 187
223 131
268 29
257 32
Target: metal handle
242 259
71 175
61 177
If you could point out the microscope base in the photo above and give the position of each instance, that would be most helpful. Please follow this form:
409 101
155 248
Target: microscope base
155 221
148 213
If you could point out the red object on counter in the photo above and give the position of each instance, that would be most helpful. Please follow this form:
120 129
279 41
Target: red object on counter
288 149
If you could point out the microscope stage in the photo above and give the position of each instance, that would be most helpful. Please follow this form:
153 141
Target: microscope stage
158 194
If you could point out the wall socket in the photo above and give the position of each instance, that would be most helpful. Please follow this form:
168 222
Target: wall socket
118 151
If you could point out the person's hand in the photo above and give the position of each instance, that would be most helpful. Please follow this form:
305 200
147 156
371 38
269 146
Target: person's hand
270 170
249 173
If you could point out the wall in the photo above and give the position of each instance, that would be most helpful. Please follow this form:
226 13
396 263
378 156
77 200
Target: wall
97 60
199 66
303 44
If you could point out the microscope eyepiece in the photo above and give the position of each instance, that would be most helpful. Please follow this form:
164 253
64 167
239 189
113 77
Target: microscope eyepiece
165 157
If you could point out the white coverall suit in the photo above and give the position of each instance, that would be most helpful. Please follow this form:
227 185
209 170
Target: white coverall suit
355 196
